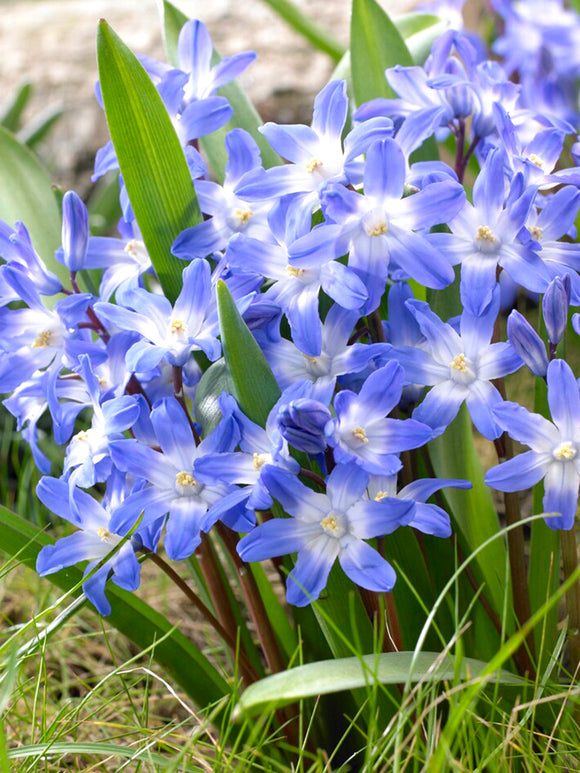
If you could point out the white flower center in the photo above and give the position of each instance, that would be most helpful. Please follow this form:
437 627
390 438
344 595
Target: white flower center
317 366
106 536
43 339
462 370
334 525
260 460
566 451
536 232
359 433
177 328
313 165
295 273
486 240
186 484
243 215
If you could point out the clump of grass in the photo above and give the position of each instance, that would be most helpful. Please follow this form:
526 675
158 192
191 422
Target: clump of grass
87 700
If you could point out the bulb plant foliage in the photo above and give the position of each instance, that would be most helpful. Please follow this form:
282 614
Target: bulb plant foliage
307 392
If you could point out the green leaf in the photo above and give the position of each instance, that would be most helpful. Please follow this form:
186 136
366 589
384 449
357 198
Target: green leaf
419 30
245 115
134 618
332 676
309 29
375 44
214 381
150 156
254 385
26 194
40 126
11 111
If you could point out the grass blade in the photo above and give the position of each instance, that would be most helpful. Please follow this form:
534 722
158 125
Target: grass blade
131 616
309 29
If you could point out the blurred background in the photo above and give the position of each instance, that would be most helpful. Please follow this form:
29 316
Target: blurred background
51 45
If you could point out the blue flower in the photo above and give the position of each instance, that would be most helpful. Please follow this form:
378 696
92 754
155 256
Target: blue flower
459 367
325 527
170 332
555 446
173 488
93 542
361 433
380 228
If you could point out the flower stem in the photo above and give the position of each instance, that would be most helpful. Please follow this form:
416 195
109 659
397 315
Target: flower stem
255 603
248 673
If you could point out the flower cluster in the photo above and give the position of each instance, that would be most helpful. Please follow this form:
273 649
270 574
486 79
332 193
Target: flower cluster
319 255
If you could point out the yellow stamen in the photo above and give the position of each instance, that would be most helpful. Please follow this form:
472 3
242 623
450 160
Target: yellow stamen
131 248
260 460
378 230
565 451
295 273
459 363
484 234
380 496
185 479
360 434
536 232
243 215
42 340
177 326
313 165
83 435
104 534
329 524
537 161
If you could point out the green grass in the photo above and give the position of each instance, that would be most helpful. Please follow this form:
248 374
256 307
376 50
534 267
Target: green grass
88 701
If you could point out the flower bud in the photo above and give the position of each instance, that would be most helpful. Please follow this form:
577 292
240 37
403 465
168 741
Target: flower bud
555 308
301 423
527 343
75 232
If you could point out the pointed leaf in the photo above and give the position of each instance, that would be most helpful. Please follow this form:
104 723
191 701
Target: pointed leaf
375 44
26 194
254 385
332 676
150 156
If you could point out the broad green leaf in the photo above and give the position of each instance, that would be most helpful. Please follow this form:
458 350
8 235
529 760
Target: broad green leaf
454 456
332 676
134 618
245 115
150 156
254 385
214 381
375 44
26 194
309 29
